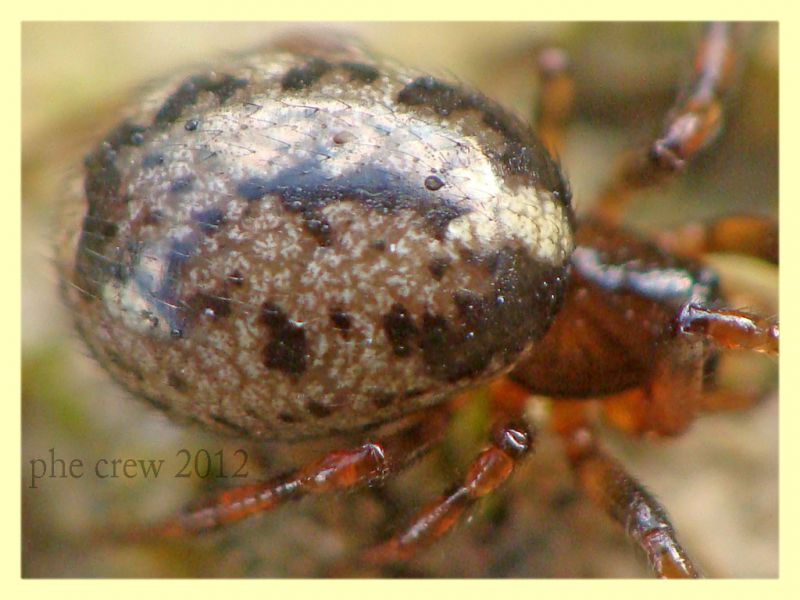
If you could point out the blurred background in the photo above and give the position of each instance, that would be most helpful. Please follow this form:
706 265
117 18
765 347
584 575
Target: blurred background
719 481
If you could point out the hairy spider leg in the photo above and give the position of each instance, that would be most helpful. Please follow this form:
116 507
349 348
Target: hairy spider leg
556 96
748 235
511 440
606 482
678 390
692 124
365 464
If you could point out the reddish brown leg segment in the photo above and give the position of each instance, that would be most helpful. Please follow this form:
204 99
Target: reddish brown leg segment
674 394
623 498
750 235
692 124
731 329
634 411
339 470
675 386
493 466
555 97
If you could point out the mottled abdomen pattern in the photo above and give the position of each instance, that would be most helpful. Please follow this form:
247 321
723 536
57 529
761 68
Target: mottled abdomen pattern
304 242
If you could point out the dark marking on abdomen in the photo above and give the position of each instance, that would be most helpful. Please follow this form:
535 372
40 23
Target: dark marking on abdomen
286 350
106 207
308 188
209 220
400 330
222 86
341 321
361 72
318 409
520 153
298 78
181 184
438 266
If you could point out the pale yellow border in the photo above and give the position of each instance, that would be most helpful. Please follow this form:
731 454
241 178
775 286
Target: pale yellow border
407 9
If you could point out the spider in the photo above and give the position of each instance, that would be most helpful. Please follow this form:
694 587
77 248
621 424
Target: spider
512 437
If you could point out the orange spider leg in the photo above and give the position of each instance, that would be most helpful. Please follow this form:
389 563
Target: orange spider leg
511 440
617 493
555 97
754 236
750 235
731 329
674 394
634 411
368 463
692 124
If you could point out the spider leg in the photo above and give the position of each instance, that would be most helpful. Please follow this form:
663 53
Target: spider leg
753 236
692 124
511 440
749 235
731 329
672 394
677 389
605 481
635 411
556 95
368 463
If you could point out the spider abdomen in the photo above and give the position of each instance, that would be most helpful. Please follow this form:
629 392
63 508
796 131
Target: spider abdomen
311 241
